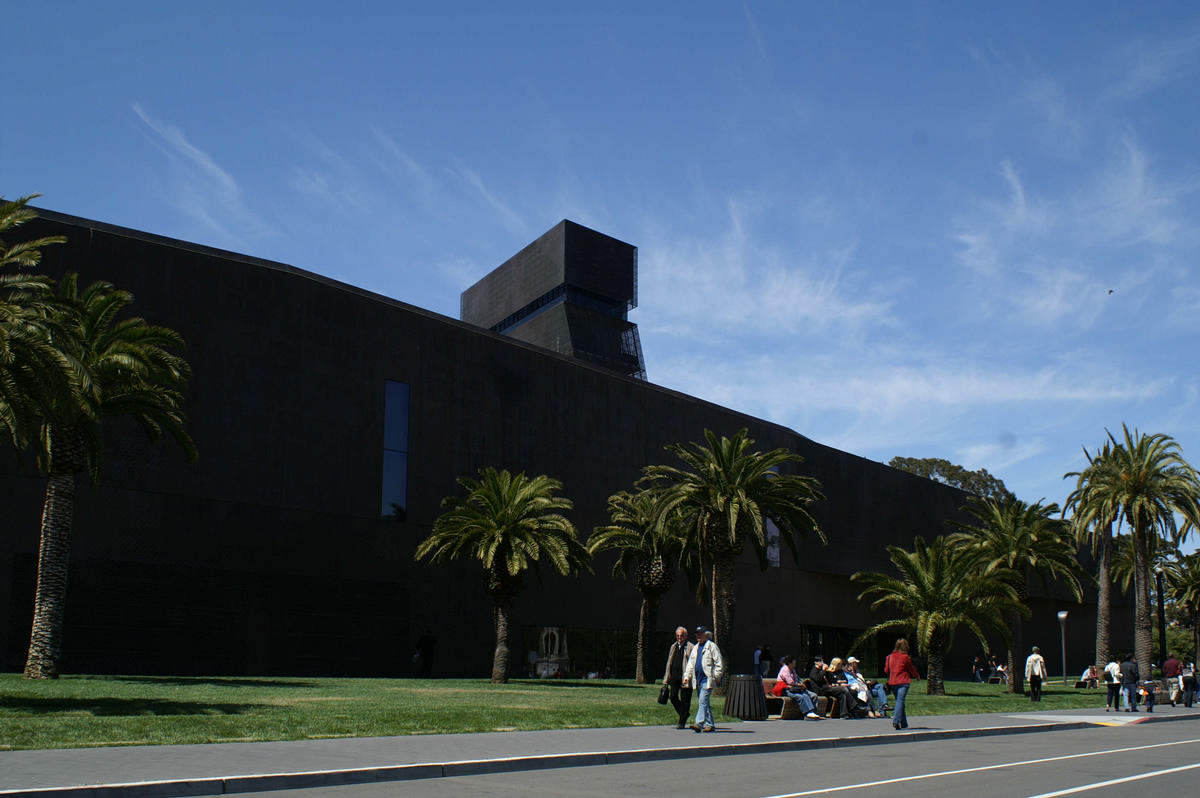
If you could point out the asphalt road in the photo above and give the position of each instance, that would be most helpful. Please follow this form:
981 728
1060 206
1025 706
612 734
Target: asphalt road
1162 758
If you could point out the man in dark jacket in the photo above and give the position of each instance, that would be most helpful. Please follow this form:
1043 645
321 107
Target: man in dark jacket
1130 676
681 697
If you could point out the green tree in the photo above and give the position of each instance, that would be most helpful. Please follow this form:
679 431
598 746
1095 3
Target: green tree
13 214
1095 531
649 552
1143 482
1018 541
1185 592
123 368
724 496
31 368
1159 554
940 588
509 523
980 482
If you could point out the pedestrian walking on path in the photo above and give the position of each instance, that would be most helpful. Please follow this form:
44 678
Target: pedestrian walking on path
1035 672
681 697
705 668
900 671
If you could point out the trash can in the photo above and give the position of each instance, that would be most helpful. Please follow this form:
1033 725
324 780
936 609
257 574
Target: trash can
744 699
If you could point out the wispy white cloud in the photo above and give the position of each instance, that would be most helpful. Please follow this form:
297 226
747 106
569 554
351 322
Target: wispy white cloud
1050 261
729 282
203 190
1128 202
981 415
473 181
1146 64
1060 121
756 36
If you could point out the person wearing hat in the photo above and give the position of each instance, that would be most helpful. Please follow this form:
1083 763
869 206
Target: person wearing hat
704 670
870 693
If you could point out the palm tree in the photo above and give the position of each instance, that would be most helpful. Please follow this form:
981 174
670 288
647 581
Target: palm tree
940 588
31 369
649 552
1159 554
26 253
123 367
724 496
1185 590
509 523
1096 532
1143 482
1016 541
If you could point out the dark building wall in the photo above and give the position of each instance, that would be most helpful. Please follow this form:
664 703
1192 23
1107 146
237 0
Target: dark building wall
270 556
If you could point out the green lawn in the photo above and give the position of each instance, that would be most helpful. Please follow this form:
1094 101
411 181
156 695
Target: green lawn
77 711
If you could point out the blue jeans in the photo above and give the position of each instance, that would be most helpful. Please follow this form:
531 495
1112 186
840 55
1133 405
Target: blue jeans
1129 696
704 715
802 699
878 695
899 718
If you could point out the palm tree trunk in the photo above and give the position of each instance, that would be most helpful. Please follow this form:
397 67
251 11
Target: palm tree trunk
67 457
724 596
1143 633
647 623
1104 599
937 665
1016 664
502 615
1195 633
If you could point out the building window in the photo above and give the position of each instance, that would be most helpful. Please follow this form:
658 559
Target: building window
772 535
395 451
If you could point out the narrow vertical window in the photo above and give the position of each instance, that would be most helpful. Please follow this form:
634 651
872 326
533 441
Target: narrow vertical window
395 451
772 535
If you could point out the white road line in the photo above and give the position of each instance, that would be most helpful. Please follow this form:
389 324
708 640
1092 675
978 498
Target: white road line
1098 784
902 779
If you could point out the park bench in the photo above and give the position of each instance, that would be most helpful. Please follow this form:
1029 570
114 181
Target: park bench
786 708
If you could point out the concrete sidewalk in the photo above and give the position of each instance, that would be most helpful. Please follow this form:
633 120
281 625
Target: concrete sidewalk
216 769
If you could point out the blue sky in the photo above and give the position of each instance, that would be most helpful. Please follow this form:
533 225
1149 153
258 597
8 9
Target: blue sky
958 230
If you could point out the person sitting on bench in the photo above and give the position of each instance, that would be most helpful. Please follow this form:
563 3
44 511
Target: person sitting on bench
788 684
869 692
827 683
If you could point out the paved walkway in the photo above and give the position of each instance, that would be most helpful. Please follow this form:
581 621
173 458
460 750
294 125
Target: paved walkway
215 769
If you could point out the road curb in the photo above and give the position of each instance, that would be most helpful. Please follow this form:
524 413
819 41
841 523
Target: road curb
228 785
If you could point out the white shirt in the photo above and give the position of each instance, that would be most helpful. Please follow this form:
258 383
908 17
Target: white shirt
1113 670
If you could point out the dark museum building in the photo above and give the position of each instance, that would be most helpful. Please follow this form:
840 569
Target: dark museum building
331 422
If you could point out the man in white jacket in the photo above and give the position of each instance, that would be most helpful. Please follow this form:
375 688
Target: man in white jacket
705 668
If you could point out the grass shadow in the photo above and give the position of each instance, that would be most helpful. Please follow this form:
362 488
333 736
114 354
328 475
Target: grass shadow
583 683
116 707
214 681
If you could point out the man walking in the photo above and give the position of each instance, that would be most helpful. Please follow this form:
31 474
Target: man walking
705 668
1130 676
1035 671
1171 670
681 697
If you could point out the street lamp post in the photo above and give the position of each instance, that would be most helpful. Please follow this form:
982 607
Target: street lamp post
1062 626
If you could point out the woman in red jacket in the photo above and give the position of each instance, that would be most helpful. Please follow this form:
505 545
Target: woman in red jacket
900 671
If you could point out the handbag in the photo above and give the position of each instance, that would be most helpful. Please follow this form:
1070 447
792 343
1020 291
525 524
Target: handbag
664 695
